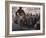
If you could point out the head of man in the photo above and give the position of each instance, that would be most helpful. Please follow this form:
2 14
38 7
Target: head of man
20 7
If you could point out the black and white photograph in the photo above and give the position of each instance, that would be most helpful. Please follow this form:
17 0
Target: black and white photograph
24 18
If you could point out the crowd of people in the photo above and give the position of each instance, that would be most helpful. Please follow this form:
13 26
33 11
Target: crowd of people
31 22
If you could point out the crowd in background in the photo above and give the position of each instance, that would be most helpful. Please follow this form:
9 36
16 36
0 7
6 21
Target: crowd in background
31 22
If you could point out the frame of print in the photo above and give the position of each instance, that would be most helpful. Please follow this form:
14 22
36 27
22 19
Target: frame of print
24 18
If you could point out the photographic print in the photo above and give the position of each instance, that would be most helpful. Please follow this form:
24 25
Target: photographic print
25 18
